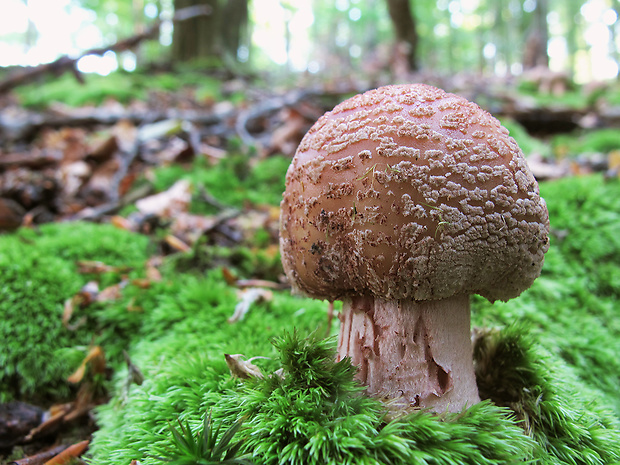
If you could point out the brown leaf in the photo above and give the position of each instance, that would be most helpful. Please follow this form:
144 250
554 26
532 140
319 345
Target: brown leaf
95 359
167 204
56 416
97 267
112 293
177 244
142 283
243 369
248 297
152 271
104 150
40 458
11 214
229 276
122 223
87 295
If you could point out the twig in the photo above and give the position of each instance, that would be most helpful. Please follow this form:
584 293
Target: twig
40 458
69 454
261 283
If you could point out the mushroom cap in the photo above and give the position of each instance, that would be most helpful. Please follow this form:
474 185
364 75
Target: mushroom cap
410 192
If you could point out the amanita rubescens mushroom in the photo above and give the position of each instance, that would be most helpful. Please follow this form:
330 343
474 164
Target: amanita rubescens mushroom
402 202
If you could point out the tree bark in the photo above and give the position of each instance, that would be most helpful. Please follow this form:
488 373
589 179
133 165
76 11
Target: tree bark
405 29
218 35
536 54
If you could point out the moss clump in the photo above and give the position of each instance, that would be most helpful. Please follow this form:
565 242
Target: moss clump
180 349
514 372
37 275
586 142
313 412
236 180
317 414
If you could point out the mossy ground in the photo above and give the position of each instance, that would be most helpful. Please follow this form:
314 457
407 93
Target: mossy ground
549 370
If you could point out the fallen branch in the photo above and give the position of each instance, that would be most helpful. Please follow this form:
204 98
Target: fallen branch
29 124
41 458
65 63
69 454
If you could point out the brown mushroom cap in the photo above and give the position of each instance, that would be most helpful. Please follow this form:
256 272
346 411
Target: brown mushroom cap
409 192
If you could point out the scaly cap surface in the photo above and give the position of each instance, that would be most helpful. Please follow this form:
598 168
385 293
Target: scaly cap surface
409 192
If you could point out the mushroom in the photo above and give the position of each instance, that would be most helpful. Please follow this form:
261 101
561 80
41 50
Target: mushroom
401 202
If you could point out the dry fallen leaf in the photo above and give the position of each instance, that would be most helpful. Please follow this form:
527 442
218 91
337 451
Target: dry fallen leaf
243 369
95 359
122 223
111 293
229 276
169 203
87 295
248 297
152 269
177 243
96 267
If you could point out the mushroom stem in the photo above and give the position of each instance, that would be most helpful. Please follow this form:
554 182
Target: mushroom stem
417 352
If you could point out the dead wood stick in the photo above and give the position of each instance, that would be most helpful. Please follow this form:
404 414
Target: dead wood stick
69 454
65 63
40 458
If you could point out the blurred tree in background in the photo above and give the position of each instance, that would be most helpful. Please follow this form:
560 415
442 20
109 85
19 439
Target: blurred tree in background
217 35
344 37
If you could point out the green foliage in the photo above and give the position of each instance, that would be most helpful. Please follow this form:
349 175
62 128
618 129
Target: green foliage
586 142
32 337
236 180
119 86
180 349
122 87
573 98
37 275
514 372
315 413
205 447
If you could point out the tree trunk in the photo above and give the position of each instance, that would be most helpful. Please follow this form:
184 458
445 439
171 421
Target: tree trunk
405 28
218 35
535 54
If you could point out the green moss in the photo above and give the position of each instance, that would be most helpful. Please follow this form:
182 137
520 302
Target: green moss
34 288
180 349
37 275
513 371
121 86
235 181
586 142
118 86
315 413
550 383
573 98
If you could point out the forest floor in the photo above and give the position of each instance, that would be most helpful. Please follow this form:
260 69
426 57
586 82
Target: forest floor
130 204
